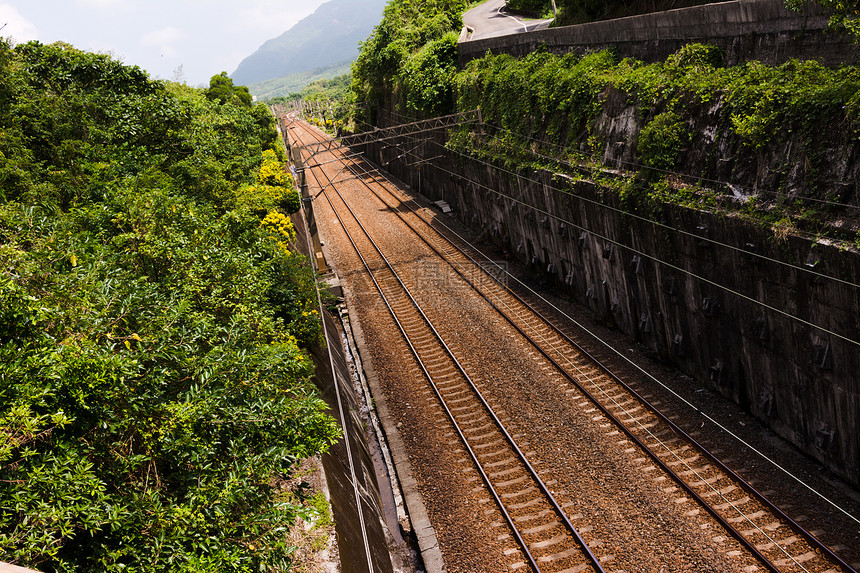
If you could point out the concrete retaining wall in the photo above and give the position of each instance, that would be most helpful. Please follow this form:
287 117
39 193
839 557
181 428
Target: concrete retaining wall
745 30
720 298
356 535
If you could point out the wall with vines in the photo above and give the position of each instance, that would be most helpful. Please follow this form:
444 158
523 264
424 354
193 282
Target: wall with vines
780 142
760 315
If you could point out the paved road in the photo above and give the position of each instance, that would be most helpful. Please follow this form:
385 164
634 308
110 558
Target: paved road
489 20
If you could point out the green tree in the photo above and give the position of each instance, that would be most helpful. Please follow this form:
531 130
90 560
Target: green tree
843 13
155 387
222 90
409 55
531 7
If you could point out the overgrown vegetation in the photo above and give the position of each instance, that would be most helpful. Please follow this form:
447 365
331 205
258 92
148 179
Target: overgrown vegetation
155 395
534 8
328 104
558 97
544 109
410 60
549 104
844 14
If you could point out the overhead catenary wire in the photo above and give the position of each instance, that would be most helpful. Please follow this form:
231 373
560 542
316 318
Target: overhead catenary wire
639 166
545 489
777 225
650 376
496 301
335 380
807 270
653 257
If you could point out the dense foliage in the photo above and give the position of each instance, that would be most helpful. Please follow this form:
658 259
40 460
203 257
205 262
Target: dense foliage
154 390
222 90
583 11
844 14
531 7
410 60
545 105
558 97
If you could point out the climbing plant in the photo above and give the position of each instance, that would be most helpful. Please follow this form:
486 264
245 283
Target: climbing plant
844 14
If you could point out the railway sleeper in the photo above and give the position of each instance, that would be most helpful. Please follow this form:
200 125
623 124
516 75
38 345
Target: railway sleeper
512 482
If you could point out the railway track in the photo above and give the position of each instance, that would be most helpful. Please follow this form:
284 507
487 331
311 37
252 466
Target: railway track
549 541
667 454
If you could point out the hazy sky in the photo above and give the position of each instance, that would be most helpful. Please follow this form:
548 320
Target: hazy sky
205 37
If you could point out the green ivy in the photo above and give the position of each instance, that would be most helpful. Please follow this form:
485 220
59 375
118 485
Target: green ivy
661 140
411 55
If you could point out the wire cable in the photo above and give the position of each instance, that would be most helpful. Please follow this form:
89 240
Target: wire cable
656 223
648 256
638 166
650 376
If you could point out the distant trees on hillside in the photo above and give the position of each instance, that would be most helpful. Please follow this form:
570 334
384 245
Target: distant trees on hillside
335 89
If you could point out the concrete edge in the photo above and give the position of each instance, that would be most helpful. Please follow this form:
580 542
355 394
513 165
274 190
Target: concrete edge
465 33
417 512
402 554
366 399
9 568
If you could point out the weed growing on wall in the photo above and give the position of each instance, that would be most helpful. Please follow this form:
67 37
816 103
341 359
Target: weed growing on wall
661 141
548 105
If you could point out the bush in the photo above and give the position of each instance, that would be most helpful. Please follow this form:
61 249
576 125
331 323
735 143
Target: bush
428 77
411 54
155 390
660 142
531 7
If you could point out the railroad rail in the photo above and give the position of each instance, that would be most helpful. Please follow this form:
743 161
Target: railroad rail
548 539
777 542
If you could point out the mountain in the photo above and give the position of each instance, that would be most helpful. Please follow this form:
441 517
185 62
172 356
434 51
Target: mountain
293 83
328 36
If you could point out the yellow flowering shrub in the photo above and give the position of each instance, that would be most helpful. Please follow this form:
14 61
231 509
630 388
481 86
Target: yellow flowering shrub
306 325
274 189
280 227
259 197
272 171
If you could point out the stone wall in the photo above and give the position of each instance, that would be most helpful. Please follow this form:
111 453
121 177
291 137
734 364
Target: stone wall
745 30
817 162
761 319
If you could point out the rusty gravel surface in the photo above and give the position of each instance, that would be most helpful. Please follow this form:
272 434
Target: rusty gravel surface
630 514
